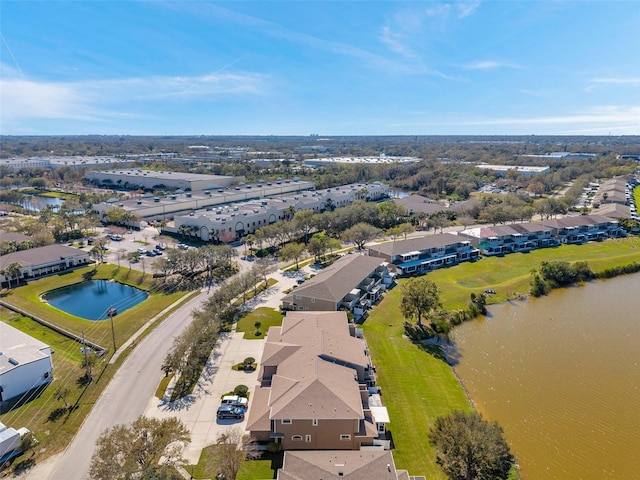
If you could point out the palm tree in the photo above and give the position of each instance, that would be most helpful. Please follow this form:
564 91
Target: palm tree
13 271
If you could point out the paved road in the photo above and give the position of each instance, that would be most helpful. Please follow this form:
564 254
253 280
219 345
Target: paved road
126 397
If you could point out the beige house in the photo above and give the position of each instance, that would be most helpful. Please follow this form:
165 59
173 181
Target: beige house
352 283
314 393
359 465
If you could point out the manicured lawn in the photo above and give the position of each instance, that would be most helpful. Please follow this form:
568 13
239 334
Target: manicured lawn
27 297
509 274
268 317
417 387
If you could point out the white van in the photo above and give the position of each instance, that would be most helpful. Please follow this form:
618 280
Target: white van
235 400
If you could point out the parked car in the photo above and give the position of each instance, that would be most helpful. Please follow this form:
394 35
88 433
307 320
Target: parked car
150 253
157 252
300 281
183 246
142 251
159 247
230 411
235 401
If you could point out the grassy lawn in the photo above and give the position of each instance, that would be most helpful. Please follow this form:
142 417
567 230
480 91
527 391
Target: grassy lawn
268 317
52 424
417 387
261 469
510 274
27 297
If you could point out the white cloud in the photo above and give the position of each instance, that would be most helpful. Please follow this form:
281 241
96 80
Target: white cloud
467 8
598 120
488 65
100 100
618 81
395 41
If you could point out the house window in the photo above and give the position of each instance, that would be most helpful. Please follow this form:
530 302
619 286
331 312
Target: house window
296 438
307 438
286 421
313 300
345 437
314 422
298 297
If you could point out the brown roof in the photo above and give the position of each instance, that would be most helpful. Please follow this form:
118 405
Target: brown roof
40 255
348 464
311 381
615 210
416 244
577 221
336 281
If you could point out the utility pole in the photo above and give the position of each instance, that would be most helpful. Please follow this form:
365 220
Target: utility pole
113 331
86 359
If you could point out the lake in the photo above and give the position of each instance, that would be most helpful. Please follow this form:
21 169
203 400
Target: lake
561 374
92 299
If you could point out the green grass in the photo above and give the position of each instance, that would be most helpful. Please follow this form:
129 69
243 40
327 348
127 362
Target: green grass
417 387
52 424
509 274
268 317
27 297
162 386
636 196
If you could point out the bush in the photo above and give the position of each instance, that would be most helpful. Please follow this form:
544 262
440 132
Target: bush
273 447
241 390
249 361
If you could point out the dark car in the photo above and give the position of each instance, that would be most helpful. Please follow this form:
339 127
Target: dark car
230 411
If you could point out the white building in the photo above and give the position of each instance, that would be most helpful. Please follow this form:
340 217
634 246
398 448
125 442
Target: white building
236 220
134 178
523 170
25 366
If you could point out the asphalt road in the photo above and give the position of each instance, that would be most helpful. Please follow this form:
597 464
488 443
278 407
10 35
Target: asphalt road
127 395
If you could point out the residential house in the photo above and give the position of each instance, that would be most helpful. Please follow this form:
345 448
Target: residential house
315 378
353 283
584 228
25 366
422 254
504 239
349 465
40 261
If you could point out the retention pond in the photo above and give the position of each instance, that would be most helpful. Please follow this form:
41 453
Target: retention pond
94 299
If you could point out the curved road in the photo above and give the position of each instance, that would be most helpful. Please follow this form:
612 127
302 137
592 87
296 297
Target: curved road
127 395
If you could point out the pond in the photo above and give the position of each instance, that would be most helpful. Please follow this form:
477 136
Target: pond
36 203
93 299
561 374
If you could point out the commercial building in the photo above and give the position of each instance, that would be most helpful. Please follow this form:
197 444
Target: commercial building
228 222
164 207
41 261
315 386
352 283
133 179
520 169
25 366
419 255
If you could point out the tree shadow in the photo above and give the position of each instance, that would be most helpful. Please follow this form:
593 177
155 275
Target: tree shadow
24 466
57 413
89 275
446 351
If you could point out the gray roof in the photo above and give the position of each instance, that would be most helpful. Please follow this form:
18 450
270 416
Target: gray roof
40 255
13 237
420 204
336 281
18 348
577 221
416 244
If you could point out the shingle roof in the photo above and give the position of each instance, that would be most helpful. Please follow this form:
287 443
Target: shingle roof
416 244
336 281
420 204
13 237
354 465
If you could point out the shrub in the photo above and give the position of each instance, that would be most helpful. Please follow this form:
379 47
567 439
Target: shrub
241 390
249 361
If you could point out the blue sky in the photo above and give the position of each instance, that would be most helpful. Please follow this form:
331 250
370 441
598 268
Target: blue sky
327 68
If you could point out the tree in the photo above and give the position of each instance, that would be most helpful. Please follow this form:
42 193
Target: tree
470 448
360 234
231 449
419 297
292 251
134 452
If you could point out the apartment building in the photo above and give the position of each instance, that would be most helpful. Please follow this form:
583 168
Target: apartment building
314 393
419 255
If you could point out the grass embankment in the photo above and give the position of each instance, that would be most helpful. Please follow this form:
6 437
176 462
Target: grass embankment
636 196
417 387
27 298
53 420
268 317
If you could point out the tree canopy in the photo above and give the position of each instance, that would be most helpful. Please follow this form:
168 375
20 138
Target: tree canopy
135 451
419 297
470 448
